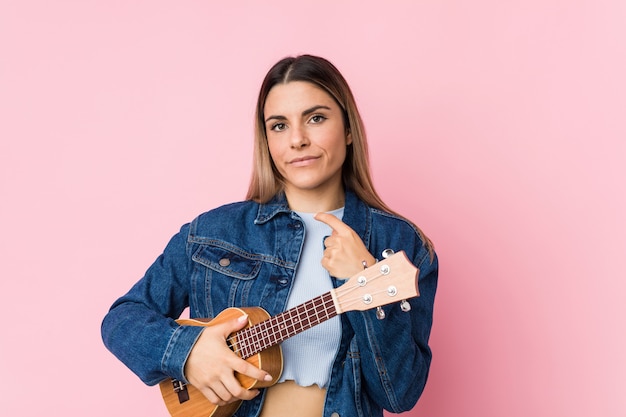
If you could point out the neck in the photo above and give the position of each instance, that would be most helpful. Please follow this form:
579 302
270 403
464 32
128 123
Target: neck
314 202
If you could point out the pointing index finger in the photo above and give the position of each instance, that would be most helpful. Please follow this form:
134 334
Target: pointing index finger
332 221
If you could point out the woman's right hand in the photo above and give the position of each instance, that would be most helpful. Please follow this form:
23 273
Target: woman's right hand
211 365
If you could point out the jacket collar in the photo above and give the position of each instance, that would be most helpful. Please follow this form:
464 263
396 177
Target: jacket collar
356 213
267 211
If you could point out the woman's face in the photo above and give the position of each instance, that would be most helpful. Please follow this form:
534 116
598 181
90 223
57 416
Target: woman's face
307 138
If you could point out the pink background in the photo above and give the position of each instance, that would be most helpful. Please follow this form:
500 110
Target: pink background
498 126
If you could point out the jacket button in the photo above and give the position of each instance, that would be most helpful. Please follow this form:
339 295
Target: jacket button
335 414
224 262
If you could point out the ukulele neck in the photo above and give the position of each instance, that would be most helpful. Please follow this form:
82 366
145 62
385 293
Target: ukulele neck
274 330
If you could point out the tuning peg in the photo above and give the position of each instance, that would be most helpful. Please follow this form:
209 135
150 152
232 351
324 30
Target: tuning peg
405 306
380 313
387 253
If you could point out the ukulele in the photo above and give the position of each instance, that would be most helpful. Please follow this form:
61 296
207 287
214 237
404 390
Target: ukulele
390 280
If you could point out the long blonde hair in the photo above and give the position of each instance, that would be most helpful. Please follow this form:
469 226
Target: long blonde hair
266 181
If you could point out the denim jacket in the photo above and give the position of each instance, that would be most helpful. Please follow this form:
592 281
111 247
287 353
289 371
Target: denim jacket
380 364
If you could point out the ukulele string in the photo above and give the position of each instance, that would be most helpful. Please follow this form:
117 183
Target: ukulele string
282 326
246 336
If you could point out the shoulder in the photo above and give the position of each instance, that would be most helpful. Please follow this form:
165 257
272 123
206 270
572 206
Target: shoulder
402 233
384 218
230 209
224 218
391 225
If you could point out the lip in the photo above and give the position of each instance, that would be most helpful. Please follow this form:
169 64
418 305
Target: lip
303 160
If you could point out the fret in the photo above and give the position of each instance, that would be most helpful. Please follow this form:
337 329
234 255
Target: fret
266 332
272 339
317 317
312 310
242 343
255 341
290 320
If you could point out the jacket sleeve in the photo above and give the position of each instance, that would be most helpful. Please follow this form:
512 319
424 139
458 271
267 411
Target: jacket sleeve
140 329
394 352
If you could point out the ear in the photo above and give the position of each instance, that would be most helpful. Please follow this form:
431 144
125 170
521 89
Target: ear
348 137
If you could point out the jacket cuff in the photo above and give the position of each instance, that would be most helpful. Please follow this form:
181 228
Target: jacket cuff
181 342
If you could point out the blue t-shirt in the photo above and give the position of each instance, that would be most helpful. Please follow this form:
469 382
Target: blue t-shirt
308 356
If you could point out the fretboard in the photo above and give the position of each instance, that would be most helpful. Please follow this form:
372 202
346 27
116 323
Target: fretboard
274 330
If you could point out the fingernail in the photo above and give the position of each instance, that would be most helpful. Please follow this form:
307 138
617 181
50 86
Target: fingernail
268 378
243 319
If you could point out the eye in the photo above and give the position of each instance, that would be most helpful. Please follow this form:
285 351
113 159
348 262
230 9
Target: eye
278 127
317 118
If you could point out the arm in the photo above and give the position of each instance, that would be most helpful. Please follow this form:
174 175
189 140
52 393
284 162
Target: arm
394 352
140 330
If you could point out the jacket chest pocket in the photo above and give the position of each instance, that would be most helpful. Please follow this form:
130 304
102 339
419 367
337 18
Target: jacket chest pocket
233 263
229 276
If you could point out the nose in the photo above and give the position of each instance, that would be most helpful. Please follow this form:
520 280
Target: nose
299 138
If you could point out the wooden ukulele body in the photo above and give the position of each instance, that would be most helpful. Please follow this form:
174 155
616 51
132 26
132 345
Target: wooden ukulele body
184 400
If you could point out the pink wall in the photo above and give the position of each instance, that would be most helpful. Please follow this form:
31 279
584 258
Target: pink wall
499 127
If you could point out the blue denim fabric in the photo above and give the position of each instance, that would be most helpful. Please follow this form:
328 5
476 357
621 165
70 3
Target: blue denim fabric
381 364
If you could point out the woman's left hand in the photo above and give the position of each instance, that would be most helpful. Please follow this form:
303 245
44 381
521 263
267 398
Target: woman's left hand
345 251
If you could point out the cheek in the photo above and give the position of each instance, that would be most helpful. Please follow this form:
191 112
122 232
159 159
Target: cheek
340 149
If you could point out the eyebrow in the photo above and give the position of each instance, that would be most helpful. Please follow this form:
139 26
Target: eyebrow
304 113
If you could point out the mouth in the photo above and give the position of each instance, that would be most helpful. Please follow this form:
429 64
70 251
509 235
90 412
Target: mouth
302 160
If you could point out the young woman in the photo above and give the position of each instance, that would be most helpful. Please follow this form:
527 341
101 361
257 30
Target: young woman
311 218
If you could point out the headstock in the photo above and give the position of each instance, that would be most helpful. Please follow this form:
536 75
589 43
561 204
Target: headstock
391 280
